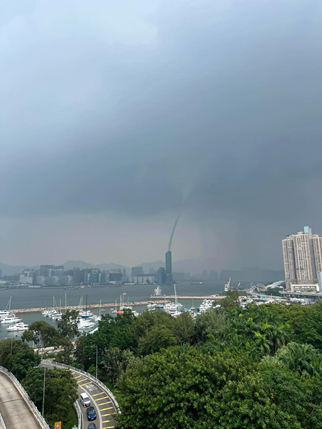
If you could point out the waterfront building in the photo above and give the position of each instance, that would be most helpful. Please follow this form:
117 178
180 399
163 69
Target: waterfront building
302 257
115 277
161 276
142 279
44 270
27 277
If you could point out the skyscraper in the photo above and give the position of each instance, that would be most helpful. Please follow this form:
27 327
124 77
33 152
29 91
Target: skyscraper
168 267
302 257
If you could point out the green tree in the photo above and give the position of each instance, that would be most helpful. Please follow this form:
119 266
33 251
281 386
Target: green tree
305 322
23 361
114 361
183 329
61 392
8 349
66 355
231 300
117 331
211 324
157 338
178 388
85 353
303 358
68 326
41 333
298 396
247 403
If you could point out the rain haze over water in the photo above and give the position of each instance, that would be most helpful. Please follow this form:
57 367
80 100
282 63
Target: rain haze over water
114 113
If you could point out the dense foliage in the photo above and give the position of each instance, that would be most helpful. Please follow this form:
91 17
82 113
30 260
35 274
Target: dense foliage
259 367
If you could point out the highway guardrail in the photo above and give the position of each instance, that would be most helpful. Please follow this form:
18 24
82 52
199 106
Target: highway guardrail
79 414
2 423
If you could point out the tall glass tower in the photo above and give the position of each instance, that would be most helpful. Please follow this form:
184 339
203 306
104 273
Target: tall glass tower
168 267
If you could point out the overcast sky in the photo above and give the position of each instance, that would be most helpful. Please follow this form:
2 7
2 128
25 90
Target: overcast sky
114 113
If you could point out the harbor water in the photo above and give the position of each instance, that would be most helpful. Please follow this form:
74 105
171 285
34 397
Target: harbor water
24 298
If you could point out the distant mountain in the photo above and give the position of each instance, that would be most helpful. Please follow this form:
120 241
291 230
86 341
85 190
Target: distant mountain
111 267
155 265
69 265
11 270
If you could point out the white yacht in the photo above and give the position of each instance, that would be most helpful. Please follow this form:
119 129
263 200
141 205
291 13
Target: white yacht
57 316
10 320
4 314
20 326
206 305
174 308
85 314
84 324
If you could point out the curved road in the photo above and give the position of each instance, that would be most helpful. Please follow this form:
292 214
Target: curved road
13 407
100 400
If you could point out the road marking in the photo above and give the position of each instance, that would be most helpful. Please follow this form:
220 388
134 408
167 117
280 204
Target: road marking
108 414
98 393
99 399
110 408
79 376
84 384
108 427
106 421
79 381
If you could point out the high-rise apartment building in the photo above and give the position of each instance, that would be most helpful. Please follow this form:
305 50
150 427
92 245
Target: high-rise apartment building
302 255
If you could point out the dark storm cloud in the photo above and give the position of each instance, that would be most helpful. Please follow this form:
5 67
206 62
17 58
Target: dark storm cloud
219 102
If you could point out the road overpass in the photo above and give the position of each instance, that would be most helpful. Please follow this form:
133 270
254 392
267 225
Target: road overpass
102 399
15 406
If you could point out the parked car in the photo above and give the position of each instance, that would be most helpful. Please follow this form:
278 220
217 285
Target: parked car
91 413
91 426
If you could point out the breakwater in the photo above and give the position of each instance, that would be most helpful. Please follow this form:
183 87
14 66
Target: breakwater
158 299
77 307
167 297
